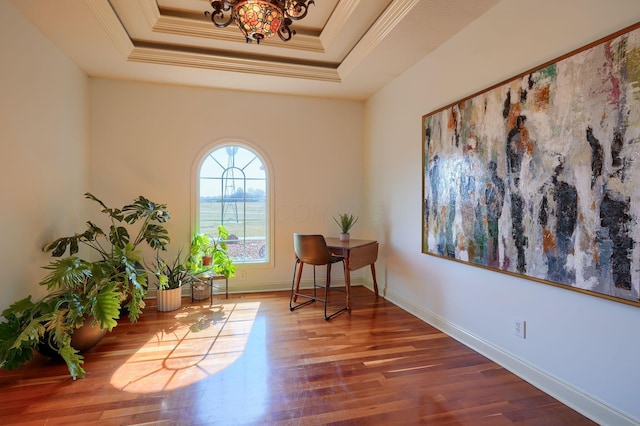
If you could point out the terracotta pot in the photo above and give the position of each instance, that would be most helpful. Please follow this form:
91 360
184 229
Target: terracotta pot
87 336
206 260
83 338
169 300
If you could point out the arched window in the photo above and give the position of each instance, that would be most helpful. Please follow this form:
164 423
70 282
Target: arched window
233 190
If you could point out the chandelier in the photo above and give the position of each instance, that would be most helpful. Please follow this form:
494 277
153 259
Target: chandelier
259 19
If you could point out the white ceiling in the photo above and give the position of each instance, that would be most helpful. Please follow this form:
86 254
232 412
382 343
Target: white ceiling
343 48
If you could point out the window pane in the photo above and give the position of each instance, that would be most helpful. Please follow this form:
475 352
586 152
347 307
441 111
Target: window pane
233 192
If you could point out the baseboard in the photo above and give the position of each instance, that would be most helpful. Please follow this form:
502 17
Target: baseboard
578 400
238 287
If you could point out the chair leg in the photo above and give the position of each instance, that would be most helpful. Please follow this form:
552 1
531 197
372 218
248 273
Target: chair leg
297 278
295 290
315 285
326 295
295 287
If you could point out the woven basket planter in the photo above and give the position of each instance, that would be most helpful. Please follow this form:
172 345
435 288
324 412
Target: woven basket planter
201 291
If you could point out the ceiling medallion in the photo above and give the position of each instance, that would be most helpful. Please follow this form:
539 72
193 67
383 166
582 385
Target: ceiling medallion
259 19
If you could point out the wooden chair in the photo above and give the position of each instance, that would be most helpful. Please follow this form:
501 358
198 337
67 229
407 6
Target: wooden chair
312 250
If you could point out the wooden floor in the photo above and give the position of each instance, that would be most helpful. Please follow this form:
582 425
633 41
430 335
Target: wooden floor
248 360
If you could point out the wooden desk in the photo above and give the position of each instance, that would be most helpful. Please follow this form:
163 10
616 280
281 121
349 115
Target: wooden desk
356 253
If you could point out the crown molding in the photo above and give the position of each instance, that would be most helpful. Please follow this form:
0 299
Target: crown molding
376 34
206 29
337 21
104 13
150 11
224 63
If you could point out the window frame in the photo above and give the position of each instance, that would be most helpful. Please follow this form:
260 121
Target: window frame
200 158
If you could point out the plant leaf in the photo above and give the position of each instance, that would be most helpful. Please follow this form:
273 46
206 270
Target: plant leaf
19 308
12 356
135 305
106 307
58 329
57 247
118 236
21 332
92 231
32 331
114 213
156 236
73 360
69 272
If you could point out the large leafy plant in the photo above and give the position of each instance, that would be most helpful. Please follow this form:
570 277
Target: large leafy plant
79 289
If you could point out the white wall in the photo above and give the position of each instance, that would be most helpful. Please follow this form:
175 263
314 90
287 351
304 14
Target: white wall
578 346
145 139
42 164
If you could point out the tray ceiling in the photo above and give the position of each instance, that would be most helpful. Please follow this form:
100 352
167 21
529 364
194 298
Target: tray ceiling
343 48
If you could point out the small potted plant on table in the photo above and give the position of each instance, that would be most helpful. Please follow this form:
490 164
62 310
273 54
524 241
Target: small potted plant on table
345 221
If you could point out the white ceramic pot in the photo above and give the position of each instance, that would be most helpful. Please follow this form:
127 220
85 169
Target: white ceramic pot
169 300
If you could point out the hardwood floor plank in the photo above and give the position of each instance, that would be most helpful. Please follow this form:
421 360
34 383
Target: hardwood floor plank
249 360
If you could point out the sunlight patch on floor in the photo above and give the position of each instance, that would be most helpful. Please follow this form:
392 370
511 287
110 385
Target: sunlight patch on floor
199 344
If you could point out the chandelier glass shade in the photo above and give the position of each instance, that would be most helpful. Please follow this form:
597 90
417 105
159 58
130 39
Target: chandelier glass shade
259 19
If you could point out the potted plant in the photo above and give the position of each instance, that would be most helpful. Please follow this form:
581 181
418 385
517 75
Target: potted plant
345 221
82 291
201 249
203 245
221 264
171 277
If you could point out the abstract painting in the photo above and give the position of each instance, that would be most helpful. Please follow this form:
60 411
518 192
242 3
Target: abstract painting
539 176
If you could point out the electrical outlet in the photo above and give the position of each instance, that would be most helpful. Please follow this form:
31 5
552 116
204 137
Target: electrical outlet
520 328
242 275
